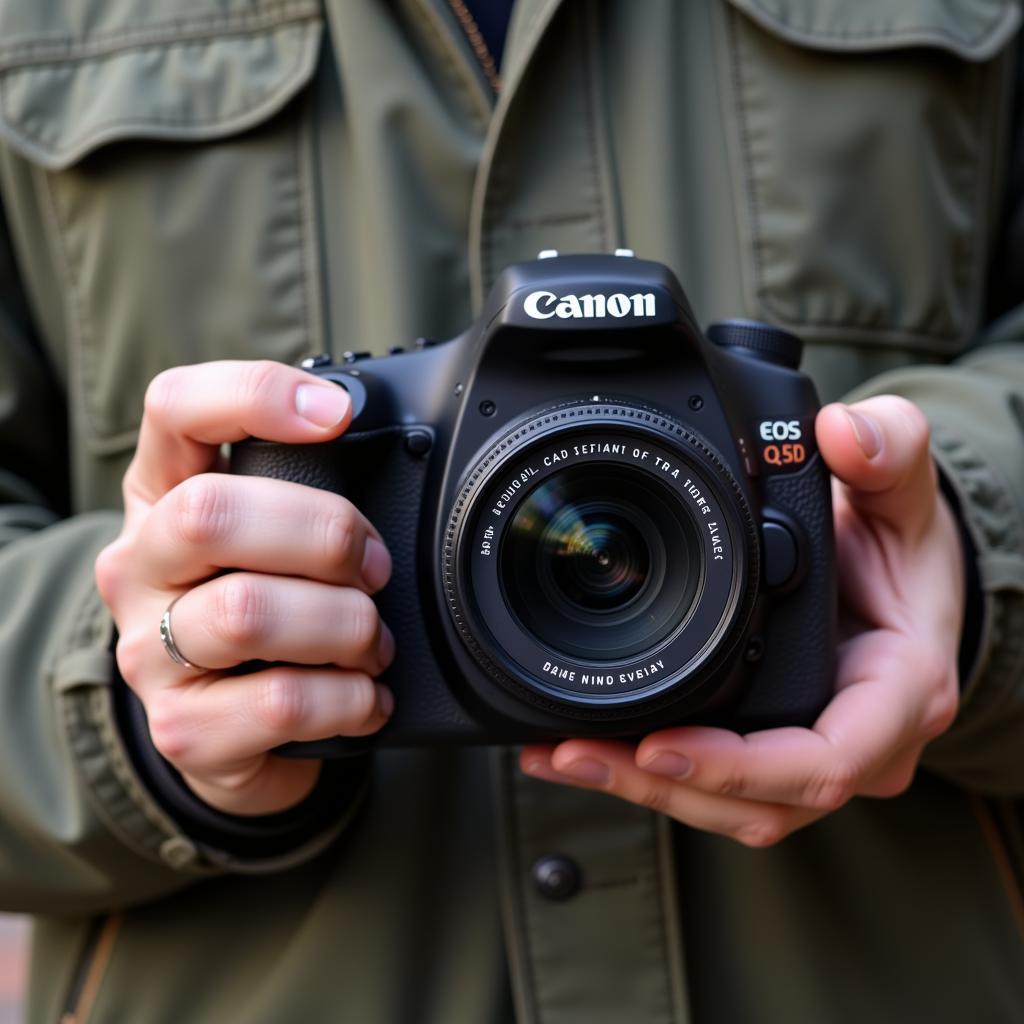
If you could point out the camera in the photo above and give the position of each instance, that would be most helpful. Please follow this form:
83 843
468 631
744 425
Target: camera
602 520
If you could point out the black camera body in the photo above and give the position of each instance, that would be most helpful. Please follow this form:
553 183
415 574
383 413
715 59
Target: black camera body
602 521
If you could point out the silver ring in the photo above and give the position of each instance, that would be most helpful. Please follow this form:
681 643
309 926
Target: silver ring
167 639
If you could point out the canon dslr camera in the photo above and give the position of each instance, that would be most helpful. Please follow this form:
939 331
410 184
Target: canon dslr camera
602 521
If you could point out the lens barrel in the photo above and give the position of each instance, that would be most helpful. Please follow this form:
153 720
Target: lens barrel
600 557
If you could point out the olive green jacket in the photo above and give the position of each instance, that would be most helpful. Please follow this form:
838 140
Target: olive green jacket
270 178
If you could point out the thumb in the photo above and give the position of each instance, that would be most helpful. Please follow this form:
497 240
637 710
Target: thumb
879 449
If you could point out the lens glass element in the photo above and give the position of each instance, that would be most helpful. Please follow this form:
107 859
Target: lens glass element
601 562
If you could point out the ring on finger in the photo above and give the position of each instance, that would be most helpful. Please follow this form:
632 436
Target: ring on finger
167 639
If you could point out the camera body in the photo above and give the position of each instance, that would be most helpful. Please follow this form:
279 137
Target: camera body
602 521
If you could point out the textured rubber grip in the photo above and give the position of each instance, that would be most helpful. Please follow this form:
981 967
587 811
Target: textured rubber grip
795 677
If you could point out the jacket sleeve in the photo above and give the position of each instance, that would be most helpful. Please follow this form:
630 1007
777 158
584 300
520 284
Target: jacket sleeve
976 410
82 829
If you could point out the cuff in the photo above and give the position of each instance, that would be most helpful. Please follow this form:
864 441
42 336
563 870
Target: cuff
974 597
290 836
981 750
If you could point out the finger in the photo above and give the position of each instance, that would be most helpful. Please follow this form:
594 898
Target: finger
212 730
243 617
190 411
879 449
611 768
876 720
214 521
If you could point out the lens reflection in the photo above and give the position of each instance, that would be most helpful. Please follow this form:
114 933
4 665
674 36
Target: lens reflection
601 562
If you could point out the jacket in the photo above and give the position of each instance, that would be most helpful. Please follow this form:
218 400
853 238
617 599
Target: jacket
273 178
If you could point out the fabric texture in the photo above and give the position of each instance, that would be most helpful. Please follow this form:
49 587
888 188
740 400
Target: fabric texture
275 178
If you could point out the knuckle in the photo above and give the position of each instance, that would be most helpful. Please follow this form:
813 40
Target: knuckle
655 796
729 784
259 382
360 711
831 789
362 622
279 702
941 710
131 657
240 609
339 535
203 513
109 570
163 394
168 728
761 833
896 783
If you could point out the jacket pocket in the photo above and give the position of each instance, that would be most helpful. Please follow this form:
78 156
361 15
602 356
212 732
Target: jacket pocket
169 149
867 142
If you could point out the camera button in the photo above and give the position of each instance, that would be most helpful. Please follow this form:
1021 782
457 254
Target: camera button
418 442
780 554
556 877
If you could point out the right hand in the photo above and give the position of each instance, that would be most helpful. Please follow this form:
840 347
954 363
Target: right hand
305 563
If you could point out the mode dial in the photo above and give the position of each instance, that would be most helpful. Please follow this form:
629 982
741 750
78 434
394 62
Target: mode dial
764 341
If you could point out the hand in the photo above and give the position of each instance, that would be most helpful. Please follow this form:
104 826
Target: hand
901 608
306 562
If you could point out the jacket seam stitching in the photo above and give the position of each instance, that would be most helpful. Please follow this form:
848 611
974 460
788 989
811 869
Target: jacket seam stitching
661 903
307 266
519 903
77 324
965 264
62 49
892 33
84 142
589 126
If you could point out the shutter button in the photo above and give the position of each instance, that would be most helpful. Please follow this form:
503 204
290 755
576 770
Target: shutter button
556 877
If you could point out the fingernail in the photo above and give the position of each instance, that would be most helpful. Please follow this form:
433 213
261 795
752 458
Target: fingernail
385 700
376 567
324 405
542 770
867 432
667 762
386 647
589 770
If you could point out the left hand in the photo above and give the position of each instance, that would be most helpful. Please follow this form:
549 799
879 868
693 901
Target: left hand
901 608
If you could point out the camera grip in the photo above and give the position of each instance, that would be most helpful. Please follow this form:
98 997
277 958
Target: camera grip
316 465
795 678
384 477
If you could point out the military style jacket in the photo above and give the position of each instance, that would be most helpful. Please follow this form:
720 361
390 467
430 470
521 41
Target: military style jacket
271 178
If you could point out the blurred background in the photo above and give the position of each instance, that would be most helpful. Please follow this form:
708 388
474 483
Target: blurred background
13 967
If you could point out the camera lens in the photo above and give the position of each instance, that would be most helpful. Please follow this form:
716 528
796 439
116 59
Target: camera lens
601 562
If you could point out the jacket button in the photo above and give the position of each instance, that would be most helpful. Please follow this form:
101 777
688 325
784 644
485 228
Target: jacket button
556 877
178 852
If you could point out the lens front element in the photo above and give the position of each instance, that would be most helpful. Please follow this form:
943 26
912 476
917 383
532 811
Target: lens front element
601 562
601 559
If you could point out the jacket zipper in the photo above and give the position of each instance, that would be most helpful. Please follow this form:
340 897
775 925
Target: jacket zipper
1002 847
92 966
476 40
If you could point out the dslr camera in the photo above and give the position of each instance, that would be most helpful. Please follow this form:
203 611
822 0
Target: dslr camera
603 521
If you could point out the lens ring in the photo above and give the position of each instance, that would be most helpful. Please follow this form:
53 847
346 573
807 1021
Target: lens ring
690 658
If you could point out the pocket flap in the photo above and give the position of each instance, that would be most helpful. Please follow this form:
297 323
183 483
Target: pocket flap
63 96
972 29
